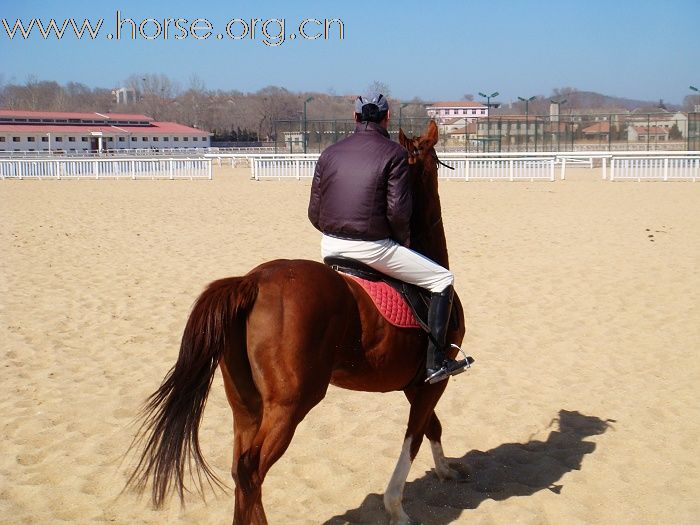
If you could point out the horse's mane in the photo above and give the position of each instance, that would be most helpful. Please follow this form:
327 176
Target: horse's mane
427 231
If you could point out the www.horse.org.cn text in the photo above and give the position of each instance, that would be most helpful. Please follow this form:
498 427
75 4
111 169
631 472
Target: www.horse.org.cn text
271 32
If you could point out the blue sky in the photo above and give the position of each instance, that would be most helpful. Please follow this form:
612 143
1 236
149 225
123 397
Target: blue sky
434 50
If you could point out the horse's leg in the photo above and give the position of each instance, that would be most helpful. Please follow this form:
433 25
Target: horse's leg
423 401
434 434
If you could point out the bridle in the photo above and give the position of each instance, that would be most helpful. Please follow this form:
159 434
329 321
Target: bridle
414 156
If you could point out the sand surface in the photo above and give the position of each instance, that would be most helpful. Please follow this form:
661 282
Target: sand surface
583 306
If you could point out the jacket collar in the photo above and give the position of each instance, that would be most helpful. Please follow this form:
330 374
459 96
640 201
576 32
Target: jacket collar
363 127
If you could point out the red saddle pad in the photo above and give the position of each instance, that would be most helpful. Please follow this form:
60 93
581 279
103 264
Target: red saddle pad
389 302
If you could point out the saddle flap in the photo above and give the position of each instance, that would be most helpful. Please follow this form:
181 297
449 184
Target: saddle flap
417 299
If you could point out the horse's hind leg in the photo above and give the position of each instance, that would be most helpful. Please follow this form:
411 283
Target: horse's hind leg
252 464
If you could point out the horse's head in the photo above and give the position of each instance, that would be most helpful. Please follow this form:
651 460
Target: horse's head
421 149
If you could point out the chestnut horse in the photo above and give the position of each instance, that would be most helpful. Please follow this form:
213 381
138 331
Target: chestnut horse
281 334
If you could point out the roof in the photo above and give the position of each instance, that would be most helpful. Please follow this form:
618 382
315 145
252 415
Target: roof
598 127
25 113
652 129
457 104
155 128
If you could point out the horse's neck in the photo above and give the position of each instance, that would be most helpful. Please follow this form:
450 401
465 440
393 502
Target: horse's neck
427 228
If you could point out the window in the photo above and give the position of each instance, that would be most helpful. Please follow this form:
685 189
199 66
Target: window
165 139
31 139
195 139
15 139
155 139
144 139
185 139
122 139
483 112
84 139
176 139
44 139
59 139
134 139
71 139
2 139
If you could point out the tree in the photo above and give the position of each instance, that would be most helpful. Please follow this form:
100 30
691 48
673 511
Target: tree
379 87
674 133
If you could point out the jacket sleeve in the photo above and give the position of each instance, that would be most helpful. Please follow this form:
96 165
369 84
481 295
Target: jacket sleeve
315 198
399 204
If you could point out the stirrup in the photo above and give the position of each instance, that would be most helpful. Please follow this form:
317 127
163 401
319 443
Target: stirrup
450 367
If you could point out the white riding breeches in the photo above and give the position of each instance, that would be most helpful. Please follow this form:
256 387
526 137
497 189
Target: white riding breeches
392 259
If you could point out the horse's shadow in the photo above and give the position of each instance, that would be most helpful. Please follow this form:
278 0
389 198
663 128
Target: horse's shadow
511 469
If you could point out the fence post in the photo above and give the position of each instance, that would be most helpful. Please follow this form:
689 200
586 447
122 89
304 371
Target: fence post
605 167
666 170
170 168
467 165
133 170
209 168
612 169
510 170
563 168
297 168
95 169
58 169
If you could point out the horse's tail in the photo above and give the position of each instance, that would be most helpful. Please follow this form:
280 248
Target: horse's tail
173 412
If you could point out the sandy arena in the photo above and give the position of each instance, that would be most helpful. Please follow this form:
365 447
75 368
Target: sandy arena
583 314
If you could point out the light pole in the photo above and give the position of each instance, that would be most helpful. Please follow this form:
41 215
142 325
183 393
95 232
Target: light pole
696 107
527 120
304 138
488 114
558 104
400 108
49 135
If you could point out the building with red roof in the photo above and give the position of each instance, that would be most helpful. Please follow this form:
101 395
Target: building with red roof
24 130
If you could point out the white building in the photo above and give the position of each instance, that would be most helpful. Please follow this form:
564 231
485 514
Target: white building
442 112
22 130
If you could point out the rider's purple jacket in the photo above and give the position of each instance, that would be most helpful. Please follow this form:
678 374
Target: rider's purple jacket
361 188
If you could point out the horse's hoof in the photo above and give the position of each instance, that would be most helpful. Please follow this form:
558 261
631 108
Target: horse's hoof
455 472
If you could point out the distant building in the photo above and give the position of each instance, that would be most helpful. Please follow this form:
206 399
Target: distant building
22 130
124 96
598 131
650 134
442 112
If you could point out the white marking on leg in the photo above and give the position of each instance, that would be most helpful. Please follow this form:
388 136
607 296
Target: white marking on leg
442 468
394 491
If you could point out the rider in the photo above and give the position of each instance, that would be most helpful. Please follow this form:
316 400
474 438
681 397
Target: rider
361 202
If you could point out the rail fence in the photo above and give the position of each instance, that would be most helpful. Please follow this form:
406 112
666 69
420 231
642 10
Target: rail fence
660 168
161 168
652 165
663 166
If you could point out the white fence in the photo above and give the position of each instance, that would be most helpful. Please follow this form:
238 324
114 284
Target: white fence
285 166
640 168
510 169
174 168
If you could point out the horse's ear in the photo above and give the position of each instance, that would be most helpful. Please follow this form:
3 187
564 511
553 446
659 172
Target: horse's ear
403 139
431 133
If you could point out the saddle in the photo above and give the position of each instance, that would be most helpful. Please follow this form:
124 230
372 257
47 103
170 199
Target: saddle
417 298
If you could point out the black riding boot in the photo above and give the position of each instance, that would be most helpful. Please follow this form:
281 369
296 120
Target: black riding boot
438 366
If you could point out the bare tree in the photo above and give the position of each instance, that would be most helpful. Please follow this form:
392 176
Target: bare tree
379 87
